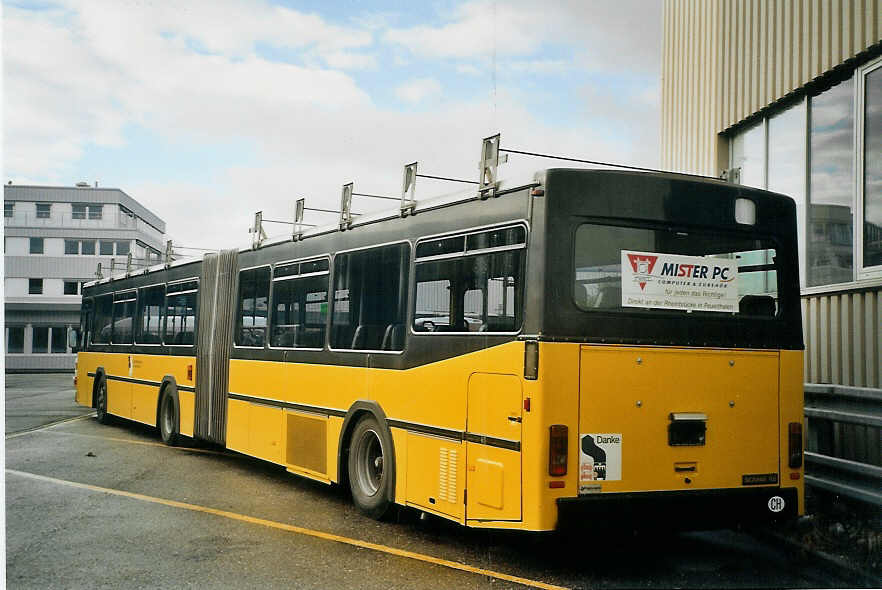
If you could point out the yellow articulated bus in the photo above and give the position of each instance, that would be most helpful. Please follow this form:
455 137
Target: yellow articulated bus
592 344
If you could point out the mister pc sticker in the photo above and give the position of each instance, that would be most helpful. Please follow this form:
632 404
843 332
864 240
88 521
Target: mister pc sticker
600 457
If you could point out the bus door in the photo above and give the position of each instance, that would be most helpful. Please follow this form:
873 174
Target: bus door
493 447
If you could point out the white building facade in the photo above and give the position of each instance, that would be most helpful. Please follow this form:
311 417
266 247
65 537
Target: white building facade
54 240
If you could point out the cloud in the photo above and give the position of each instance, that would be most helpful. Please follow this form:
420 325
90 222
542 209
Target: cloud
418 89
81 75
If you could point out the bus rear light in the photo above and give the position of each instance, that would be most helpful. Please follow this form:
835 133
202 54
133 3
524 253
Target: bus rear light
557 450
795 446
531 360
556 484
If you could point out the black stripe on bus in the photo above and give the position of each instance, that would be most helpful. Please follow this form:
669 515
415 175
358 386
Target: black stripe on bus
287 405
457 435
144 382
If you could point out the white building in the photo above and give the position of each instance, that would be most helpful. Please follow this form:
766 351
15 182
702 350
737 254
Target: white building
55 238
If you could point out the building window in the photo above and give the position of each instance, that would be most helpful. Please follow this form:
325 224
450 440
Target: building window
71 288
106 248
78 210
36 246
88 247
839 208
35 286
44 210
872 159
58 337
123 248
96 211
71 247
829 241
40 342
8 209
15 340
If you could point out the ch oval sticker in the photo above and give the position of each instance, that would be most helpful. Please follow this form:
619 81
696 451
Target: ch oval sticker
776 503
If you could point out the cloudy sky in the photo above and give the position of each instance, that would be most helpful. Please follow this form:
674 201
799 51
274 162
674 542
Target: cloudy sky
209 111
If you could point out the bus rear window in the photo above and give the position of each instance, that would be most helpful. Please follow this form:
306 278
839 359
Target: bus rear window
640 269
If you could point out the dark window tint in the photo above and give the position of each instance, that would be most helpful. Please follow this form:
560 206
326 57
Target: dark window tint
96 211
251 317
44 210
71 247
89 247
872 153
497 238
78 211
36 245
123 317
102 319
8 209
370 293
150 304
59 339
106 248
300 306
70 287
15 342
35 286
122 248
440 246
470 294
40 342
85 323
180 317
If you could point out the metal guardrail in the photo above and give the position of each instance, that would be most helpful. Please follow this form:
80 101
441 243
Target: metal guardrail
858 406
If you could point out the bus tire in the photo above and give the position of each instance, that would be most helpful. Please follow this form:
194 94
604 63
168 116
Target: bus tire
101 402
370 467
169 414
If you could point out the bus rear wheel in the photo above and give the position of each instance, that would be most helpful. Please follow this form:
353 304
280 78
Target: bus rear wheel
101 402
168 418
371 468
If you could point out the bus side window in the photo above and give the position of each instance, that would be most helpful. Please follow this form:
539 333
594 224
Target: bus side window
123 317
149 320
102 319
180 313
369 299
254 286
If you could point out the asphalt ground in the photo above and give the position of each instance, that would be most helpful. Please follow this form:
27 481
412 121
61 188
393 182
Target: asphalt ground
110 506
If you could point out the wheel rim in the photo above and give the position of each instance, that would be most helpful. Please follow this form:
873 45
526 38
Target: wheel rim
369 462
168 410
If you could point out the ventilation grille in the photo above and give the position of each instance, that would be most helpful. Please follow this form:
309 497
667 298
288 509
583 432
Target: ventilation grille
447 475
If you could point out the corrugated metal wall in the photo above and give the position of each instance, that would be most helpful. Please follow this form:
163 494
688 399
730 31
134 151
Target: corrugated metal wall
843 338
724 60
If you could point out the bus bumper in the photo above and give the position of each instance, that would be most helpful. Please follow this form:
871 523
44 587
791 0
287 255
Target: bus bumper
692 510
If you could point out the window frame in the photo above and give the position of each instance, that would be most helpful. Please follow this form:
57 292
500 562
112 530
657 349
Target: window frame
861 272
66 282
195 311
238 309
270 301
32 241
74 214
9 330
332 270
48 211
114 301
42 285
138 316
8 209
466 253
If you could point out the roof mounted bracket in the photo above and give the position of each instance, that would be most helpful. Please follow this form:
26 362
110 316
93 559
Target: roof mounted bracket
258 235
346 206
408 189
299 208
490 161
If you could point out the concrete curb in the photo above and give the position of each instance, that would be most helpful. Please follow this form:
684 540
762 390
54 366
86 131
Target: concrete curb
844 569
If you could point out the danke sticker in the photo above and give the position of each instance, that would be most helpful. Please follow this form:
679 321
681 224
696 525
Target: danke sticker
600 457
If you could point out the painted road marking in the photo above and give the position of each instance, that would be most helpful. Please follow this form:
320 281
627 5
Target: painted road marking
295 529
50 425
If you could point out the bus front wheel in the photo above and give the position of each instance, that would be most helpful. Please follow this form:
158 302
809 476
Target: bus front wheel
168 417
101 402
371 468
